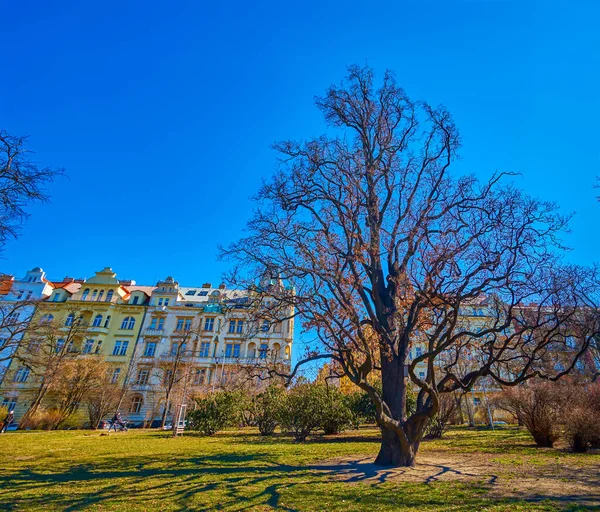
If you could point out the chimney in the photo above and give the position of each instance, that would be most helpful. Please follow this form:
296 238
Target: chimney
222 286
207 285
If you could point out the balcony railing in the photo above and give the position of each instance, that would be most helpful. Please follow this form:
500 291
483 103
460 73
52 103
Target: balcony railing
154 332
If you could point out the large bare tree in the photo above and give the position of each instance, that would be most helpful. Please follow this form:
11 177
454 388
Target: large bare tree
381 248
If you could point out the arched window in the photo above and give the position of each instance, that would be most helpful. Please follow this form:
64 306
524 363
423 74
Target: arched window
128 323
94 293
107 321
46 319
136 404
85 294
109 295
97 321
276 350
100 295
69 320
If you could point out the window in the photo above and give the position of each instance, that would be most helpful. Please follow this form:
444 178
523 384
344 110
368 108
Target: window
204 349
85 294
34 346
21 374
87 346
109 295
142 377
59 345
136 299
56 297
69 320
157 322
166 301
120 348
202 294
262 352
191 292
209 324
46 319
9 403
150 349
97 321
419 351
266 325
100 295
277 327
179 324
232 350
128 323
421 375
188 324
107 322
236 326
94 294
476 401
200 376
136 404
98 346
115 375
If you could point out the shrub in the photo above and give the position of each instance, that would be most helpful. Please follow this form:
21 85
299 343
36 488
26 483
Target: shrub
42 419
361 408
445 415
301 411
581 416
336 414
266 409
537 406
214 412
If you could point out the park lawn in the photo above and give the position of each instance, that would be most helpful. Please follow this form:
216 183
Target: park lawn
470 469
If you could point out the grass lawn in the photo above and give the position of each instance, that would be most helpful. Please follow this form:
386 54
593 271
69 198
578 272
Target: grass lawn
146 470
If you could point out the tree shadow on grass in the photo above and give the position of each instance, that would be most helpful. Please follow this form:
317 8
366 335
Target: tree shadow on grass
230 481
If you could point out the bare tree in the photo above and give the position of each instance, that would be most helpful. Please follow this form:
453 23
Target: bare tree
105 397
22 183
15 317
46 349
381 248
174 370
79 378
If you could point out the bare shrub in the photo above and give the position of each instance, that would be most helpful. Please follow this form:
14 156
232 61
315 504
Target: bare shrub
537 406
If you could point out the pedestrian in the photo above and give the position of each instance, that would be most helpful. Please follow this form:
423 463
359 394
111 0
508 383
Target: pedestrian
7 421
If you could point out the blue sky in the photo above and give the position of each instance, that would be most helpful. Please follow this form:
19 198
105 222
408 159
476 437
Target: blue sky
163 114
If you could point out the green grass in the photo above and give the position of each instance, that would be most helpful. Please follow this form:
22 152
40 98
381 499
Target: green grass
144 470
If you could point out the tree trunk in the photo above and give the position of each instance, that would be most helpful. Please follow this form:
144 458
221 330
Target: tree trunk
392 452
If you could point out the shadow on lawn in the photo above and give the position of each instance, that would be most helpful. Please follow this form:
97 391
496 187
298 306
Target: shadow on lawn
227 481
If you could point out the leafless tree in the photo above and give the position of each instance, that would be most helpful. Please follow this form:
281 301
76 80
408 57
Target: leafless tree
105 397
46 349
15 317
380 247
22 182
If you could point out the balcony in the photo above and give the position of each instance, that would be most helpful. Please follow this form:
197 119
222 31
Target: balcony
154 332
98 329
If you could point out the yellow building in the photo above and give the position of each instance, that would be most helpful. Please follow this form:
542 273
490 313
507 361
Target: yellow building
109 314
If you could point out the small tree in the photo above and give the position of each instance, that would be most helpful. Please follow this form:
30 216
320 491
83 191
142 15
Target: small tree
266 409
443 418
77 380
537 406
214 412
105 397
301 413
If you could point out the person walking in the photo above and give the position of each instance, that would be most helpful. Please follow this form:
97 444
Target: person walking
7 421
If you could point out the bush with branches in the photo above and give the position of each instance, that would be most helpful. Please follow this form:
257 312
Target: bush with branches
537 406
266 409
214 412
336 414
301 412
